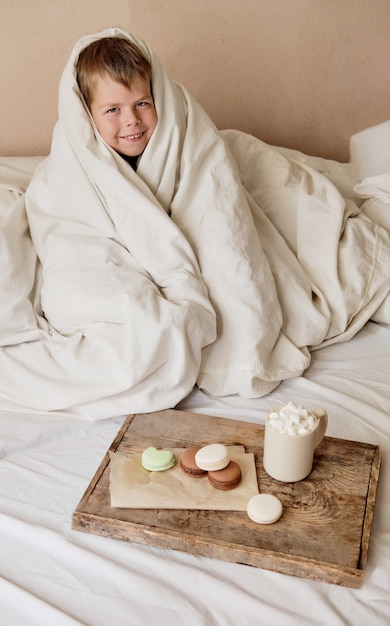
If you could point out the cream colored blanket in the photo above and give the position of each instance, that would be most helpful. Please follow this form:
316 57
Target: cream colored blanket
220 263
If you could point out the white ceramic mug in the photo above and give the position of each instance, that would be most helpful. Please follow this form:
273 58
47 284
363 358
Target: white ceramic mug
289 457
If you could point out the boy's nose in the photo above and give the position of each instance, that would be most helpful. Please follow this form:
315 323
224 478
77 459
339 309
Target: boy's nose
132 119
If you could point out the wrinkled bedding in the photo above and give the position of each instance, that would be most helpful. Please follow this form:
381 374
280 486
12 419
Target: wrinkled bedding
221 263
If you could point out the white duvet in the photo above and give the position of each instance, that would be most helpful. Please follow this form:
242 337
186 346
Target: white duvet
221 263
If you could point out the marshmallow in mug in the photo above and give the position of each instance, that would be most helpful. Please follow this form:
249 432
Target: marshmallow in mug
294 419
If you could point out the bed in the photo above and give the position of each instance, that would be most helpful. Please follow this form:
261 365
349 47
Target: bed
54 574
51 573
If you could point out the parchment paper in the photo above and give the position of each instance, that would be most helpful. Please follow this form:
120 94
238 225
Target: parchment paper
131 486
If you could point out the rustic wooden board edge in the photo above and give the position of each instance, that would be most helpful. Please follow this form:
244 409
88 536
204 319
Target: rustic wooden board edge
105 461
256 557
370 507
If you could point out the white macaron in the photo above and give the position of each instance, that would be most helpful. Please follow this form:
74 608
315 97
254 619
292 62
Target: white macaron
212 457
264 508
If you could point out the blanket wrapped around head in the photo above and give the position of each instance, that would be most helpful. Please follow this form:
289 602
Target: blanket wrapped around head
220 263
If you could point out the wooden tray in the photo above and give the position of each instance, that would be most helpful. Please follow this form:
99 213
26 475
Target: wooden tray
325 528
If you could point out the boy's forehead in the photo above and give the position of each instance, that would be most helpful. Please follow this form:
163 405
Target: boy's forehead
106 87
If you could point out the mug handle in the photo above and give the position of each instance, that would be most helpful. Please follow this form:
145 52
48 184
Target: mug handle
322 426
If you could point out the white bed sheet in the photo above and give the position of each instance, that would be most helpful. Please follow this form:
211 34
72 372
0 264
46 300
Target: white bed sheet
52 575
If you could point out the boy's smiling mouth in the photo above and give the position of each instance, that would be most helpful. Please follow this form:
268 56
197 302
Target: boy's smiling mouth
133 137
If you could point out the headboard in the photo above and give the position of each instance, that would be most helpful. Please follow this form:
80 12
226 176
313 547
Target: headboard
303 74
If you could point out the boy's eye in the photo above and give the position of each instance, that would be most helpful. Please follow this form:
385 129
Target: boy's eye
142 104
112 110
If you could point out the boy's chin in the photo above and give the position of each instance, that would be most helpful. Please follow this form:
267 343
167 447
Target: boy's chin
130 152
129 157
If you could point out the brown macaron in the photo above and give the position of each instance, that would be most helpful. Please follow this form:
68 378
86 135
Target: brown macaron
227 478
188 464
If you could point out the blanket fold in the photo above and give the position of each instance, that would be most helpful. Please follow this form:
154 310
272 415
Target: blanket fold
220 262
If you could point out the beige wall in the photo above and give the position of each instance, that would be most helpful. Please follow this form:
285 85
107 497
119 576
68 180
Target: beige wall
299 73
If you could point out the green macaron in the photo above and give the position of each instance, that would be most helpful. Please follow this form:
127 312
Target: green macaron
155 460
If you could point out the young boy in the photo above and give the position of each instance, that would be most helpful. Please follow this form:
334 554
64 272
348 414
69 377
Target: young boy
114 77
220 263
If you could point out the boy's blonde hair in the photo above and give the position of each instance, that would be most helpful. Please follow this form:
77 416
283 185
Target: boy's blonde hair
121 59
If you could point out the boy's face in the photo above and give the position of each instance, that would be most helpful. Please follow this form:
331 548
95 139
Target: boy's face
125 118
